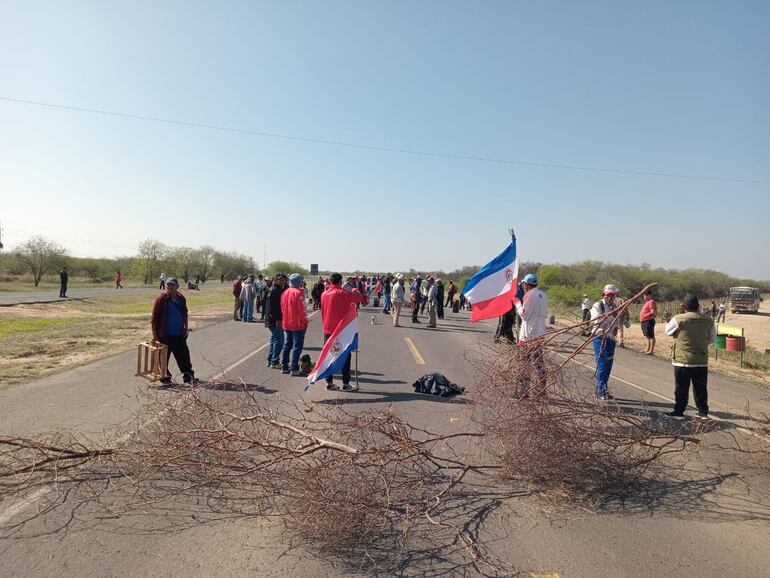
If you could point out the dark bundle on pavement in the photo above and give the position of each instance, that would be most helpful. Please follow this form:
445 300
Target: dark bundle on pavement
436 384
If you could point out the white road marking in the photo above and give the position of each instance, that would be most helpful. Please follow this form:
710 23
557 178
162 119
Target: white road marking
663 397
20 506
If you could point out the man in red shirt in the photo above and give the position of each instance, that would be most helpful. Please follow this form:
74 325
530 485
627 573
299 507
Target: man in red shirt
335 304
647 317
294 324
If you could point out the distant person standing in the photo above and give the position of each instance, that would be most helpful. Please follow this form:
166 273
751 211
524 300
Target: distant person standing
162 280
713 309
439 299
397 298
316 293
118 279
248 292
386 291
432 299
647 318
721 312
692 333
450 293
605 320
414 293
63 281
222 278
170 327
237 304
586 308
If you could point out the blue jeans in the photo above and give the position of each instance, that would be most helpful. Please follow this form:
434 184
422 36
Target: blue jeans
276 344
386 307
248 310
604 353
293 341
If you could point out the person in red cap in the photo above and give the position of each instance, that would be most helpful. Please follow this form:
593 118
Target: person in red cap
605 319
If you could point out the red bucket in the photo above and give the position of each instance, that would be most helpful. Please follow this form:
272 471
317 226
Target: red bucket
736 344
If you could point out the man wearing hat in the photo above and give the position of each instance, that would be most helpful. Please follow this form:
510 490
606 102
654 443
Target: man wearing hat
692 333
585 306
170 327
532 309
397 298
274 320
432 299
294 324
605 320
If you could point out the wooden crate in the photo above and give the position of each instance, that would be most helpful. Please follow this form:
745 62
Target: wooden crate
151 360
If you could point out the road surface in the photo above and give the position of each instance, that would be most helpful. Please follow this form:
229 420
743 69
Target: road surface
708 526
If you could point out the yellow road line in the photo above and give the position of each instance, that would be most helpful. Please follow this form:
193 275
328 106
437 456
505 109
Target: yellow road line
544 574
416 354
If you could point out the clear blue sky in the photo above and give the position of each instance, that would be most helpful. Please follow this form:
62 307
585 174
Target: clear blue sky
668 87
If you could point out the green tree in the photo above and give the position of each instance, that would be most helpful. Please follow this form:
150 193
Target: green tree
40 255
151 252
286 267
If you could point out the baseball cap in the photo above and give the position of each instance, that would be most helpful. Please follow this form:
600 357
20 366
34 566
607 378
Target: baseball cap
295 280
530 279
172 281
610 289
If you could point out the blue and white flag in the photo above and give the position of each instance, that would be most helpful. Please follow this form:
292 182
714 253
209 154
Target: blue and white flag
492 290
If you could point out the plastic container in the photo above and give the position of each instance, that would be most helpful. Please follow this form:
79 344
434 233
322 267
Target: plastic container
721 342
736 344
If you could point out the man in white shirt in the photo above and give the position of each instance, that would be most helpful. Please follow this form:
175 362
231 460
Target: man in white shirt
586 307
532 309
605 319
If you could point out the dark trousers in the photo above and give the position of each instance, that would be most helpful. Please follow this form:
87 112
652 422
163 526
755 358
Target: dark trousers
450 297
415 309
586 315
177 345
63 290
698 376
505 327
345 368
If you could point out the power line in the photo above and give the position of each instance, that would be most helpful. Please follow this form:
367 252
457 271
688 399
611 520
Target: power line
381 148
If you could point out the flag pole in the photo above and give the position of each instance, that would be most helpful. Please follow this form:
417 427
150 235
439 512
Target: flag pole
356 367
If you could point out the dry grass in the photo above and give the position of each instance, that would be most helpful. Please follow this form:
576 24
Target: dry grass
39 339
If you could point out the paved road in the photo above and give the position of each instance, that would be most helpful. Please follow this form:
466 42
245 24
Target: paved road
8 298
710 527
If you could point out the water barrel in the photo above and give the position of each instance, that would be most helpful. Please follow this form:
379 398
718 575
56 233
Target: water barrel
721 342
735 344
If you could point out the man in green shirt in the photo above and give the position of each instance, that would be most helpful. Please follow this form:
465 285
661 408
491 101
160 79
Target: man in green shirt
692 333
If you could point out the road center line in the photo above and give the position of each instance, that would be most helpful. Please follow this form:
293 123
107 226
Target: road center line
413 350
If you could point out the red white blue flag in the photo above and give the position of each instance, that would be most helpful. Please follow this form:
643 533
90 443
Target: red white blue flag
340 344
492 290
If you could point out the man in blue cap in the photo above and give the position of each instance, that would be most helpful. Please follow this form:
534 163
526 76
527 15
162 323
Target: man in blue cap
533 310
170 327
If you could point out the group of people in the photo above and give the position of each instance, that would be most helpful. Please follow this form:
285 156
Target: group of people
282 300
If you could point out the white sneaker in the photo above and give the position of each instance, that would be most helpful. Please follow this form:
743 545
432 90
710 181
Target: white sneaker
349 387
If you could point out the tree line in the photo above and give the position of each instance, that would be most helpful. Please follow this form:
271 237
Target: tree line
39 257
